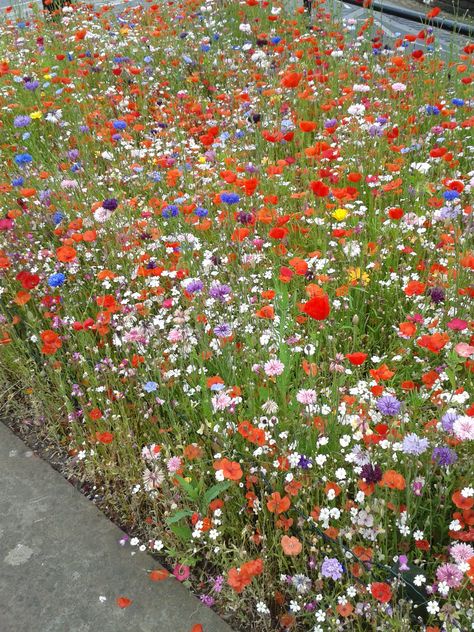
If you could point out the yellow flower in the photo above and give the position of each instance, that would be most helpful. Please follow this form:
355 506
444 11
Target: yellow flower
356 274
36 115
47 77
340 214
202 159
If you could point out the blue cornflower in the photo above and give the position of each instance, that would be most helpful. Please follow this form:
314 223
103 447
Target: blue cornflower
150 387
58 217
450 195
201 212
23 159
18 182
458 102
56 280
230 198
432 109
119 125
389 405
413 444
170 211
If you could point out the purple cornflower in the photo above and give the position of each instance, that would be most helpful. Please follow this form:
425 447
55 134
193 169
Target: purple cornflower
110 204
371 473
223 330
331 567
244 217
389 405
21 121
413 444
444 456
437 294
220 291
305 463
194 286
31 84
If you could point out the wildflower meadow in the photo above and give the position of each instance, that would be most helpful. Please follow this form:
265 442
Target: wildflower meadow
236 260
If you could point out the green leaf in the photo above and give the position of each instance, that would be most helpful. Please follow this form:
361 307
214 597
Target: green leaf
191 491
182 531
179 515
213 492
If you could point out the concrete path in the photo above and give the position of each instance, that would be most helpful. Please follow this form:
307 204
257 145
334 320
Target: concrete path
60 557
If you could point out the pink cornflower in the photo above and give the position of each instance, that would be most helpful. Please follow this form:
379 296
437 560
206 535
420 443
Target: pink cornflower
175 335
463 428
461 552
173 464
450 574
306 396
273 368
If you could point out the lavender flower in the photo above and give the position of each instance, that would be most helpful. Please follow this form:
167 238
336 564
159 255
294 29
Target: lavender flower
223 331
331 567
413 444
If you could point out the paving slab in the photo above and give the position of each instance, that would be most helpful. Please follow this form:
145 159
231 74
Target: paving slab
60 556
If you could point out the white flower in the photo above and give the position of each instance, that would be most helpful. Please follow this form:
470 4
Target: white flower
262 608
432 607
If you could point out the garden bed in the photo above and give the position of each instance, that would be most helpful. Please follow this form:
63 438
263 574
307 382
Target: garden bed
237 293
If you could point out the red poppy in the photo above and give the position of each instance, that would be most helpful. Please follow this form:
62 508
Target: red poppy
356 358
319 188
318 307
104 437
381 591
28 280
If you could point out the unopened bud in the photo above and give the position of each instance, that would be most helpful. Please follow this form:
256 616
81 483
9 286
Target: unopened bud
355 320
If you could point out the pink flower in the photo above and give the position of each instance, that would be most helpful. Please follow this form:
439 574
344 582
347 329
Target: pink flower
173 464
457 324
273 368
461 552
450 574
464 350
463 428
181 572
306 396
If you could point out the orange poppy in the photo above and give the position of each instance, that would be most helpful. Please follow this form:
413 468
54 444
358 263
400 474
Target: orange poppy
66 254
277 504
291 546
